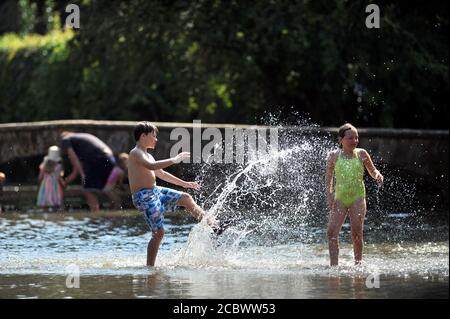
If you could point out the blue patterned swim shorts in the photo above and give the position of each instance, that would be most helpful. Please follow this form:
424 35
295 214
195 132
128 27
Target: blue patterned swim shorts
154 202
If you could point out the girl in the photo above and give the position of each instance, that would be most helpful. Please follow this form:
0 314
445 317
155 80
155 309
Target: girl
50 194
348 196
118 174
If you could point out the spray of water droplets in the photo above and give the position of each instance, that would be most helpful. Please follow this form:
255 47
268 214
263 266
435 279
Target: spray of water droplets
279 199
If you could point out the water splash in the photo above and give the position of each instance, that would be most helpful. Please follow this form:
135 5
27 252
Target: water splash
278 201
272 195
278 208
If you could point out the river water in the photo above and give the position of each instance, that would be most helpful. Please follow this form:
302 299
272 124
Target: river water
275 247
41 254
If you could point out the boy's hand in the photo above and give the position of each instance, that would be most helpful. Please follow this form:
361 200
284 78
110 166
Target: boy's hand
192 185
177 159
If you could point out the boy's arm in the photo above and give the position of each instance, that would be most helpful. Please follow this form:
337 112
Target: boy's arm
154 166
371 169
331 161
167 177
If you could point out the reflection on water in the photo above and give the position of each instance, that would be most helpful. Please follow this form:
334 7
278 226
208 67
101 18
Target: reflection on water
195 283
407 260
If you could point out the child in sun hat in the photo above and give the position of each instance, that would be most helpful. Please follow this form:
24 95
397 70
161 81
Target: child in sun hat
50 194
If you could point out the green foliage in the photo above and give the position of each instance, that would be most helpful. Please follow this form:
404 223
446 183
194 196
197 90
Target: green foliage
227 61
28 15
33 79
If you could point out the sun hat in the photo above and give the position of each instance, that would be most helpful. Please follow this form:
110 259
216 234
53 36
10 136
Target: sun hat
53 154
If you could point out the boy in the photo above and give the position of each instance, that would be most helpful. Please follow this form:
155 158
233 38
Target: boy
154 200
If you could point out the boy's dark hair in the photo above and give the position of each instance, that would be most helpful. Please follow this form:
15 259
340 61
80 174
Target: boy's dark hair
143 127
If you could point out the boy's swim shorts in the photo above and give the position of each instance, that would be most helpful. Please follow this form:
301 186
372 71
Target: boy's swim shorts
154 202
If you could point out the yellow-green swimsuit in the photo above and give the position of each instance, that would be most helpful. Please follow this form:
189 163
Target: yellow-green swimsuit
349 175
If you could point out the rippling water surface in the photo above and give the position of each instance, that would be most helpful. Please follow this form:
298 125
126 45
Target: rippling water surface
38 250
276 246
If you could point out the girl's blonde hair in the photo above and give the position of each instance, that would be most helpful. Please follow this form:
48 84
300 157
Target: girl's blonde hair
344 128
49 166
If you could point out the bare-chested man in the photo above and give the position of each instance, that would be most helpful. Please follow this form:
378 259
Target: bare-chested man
154 200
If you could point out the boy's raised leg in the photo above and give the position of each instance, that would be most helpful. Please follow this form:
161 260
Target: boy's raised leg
191 206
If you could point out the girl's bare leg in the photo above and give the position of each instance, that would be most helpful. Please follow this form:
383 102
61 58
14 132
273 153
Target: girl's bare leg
357 212
336 219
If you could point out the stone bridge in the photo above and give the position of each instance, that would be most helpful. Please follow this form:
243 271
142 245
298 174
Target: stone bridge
422 153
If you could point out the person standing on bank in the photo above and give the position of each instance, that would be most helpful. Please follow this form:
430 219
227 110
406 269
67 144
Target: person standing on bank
94 161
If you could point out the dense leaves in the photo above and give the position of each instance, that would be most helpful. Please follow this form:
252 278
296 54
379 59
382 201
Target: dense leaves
233 61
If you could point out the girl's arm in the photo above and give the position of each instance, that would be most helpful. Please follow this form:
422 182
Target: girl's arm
329 191
371 169
60 170
61 176
41 173
167 177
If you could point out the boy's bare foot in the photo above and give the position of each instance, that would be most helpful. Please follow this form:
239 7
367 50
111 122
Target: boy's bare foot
222 227
214 224
211 221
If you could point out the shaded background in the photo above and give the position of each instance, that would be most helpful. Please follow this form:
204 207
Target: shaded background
226 62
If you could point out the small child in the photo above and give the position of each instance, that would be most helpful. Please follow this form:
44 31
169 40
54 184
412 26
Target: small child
123 164
348 196
50 194
118 174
